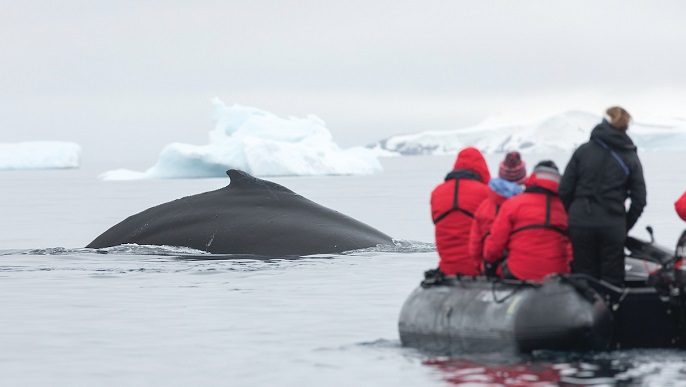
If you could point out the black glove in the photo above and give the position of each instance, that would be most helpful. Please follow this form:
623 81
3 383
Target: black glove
490 269
432 277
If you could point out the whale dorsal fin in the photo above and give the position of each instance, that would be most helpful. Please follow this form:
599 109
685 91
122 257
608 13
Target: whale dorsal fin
244 180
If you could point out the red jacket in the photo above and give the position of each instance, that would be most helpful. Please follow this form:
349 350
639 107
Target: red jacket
533 252
453 223
680 206
481 225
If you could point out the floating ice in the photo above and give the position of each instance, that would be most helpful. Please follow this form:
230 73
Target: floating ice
261 144
39 155
558 133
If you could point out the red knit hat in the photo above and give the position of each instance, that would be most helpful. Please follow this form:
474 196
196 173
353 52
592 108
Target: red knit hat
513 168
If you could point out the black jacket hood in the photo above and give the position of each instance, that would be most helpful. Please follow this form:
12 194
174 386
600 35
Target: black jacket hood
615 138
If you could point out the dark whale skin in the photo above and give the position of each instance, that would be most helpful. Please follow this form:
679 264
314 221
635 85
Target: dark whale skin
249 216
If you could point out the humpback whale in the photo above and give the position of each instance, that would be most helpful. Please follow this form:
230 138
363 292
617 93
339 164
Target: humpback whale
249 216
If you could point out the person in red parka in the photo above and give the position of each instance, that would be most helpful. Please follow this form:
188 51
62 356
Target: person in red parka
680 206
532 227
680 253
453 203
511 174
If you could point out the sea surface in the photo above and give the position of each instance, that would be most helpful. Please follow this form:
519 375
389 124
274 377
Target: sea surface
162 316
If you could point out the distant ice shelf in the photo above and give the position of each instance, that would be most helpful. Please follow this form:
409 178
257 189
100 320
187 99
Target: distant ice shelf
557 133
39 155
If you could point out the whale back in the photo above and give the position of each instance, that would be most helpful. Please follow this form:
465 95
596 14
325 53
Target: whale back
249 216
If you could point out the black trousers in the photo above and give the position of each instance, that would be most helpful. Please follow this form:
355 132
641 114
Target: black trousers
599 252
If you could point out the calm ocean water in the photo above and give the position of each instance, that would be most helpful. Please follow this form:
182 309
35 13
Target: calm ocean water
153 316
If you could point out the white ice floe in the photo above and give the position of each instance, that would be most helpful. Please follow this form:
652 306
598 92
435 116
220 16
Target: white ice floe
558 133
261 144
39 155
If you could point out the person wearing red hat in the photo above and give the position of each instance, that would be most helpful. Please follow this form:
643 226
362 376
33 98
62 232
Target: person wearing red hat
453 203
680 206
511 174
533 228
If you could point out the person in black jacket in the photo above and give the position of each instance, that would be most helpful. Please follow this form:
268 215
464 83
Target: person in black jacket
601 175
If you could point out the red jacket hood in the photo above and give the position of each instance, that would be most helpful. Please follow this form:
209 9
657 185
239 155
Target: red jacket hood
680 206
472 159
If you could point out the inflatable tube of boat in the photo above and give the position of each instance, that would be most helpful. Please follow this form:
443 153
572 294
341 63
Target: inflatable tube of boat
476 314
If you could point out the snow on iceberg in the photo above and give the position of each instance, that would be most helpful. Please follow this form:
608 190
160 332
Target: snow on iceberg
39 155
558 133
261 144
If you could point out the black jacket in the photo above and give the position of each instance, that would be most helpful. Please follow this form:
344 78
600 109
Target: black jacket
597 182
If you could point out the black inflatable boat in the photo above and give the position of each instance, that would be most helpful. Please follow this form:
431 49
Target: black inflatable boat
564 312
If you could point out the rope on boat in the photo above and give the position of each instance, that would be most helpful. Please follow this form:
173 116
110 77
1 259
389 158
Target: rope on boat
520 286
615 306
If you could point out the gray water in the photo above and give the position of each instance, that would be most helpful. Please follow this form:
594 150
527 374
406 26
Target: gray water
164 316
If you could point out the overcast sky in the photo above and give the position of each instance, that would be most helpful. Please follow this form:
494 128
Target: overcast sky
124 78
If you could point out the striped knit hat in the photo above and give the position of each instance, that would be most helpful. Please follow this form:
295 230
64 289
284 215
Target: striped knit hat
513 168
547 170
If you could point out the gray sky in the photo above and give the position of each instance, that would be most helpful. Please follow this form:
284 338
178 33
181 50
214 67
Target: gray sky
124 78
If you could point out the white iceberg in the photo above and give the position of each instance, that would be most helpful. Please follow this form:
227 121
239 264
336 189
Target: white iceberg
261 144
558 133
39 155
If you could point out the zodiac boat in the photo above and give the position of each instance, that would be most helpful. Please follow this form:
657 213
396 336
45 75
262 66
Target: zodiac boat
571 312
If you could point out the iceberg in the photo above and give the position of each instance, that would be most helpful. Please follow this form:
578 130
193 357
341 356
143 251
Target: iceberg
562 132
261 144
39 155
